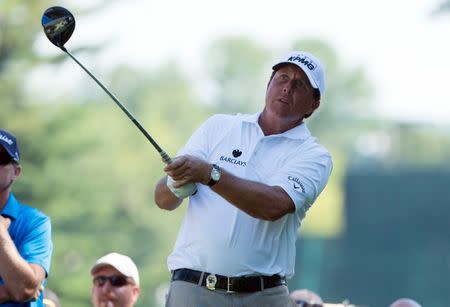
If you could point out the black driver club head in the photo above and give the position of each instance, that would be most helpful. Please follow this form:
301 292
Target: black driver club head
58 24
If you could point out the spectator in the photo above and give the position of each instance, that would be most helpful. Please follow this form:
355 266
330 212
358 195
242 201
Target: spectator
25 236
115 281
405 302
302 296
307 298
51 299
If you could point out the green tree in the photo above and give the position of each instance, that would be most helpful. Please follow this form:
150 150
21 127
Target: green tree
238 75
347 97
101 170
18 28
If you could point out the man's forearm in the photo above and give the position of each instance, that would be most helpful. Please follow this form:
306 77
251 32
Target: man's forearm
19 278
164 198
256 199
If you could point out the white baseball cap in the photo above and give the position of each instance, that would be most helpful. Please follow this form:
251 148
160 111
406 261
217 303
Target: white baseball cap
309 64
121 263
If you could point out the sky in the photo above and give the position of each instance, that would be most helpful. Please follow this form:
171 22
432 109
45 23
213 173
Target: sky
401 46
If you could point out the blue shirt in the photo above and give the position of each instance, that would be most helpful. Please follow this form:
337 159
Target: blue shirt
30 231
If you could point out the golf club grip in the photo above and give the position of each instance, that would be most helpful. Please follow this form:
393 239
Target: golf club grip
165 157
163 154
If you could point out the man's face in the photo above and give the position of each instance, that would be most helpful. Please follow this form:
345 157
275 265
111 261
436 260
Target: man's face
104 294
9 171
290 95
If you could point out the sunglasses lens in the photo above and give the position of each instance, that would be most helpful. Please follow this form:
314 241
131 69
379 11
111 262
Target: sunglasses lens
118 281
99 281
115 281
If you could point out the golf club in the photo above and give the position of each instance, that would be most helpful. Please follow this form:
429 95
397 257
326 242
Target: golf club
59 25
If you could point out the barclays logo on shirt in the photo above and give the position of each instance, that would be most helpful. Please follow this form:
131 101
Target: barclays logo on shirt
297 183
233 161
236 153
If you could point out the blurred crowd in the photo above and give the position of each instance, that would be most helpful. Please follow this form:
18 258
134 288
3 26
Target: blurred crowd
308 298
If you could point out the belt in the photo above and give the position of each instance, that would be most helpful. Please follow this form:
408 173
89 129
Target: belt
229 284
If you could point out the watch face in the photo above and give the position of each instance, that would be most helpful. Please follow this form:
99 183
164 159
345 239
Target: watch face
215 174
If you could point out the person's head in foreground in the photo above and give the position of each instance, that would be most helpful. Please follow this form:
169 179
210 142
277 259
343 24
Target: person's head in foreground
405 302
51 299
302 296
9 161
115 281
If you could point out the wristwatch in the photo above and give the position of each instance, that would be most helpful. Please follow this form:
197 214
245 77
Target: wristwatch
215 175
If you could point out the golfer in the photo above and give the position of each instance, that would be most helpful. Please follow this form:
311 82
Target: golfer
256 176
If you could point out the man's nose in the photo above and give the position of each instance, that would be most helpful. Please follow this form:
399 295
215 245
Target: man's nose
287 88
106 287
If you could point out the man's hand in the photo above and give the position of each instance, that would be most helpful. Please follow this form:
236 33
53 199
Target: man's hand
188 169
22 280
4 222
37 293
183 191
4 294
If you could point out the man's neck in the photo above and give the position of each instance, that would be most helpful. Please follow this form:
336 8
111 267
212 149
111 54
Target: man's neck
275 125
4 196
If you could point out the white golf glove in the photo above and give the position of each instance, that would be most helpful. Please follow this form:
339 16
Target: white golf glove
183 191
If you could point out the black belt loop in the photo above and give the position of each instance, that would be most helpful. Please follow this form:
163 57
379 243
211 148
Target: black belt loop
229 284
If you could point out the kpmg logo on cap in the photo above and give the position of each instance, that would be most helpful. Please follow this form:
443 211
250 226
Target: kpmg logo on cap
303 60
6 139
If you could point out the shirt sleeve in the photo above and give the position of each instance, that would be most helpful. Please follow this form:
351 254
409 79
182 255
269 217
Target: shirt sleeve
37 245
206 136
304 179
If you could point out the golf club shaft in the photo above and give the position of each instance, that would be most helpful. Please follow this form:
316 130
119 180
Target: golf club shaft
163 154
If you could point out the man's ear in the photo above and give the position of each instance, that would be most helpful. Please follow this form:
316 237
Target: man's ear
136 291
17 170
316 104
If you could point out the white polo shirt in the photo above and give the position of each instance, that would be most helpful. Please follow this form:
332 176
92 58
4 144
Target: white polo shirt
219 238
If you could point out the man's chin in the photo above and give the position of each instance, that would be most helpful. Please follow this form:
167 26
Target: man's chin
107 304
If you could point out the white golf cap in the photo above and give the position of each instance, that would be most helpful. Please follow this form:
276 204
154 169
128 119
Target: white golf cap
121 263
309 64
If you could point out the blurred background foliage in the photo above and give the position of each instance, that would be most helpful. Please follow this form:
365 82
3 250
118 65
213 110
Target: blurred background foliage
93 173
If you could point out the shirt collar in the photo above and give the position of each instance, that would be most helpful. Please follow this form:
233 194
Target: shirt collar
11 208
300 132
251 118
